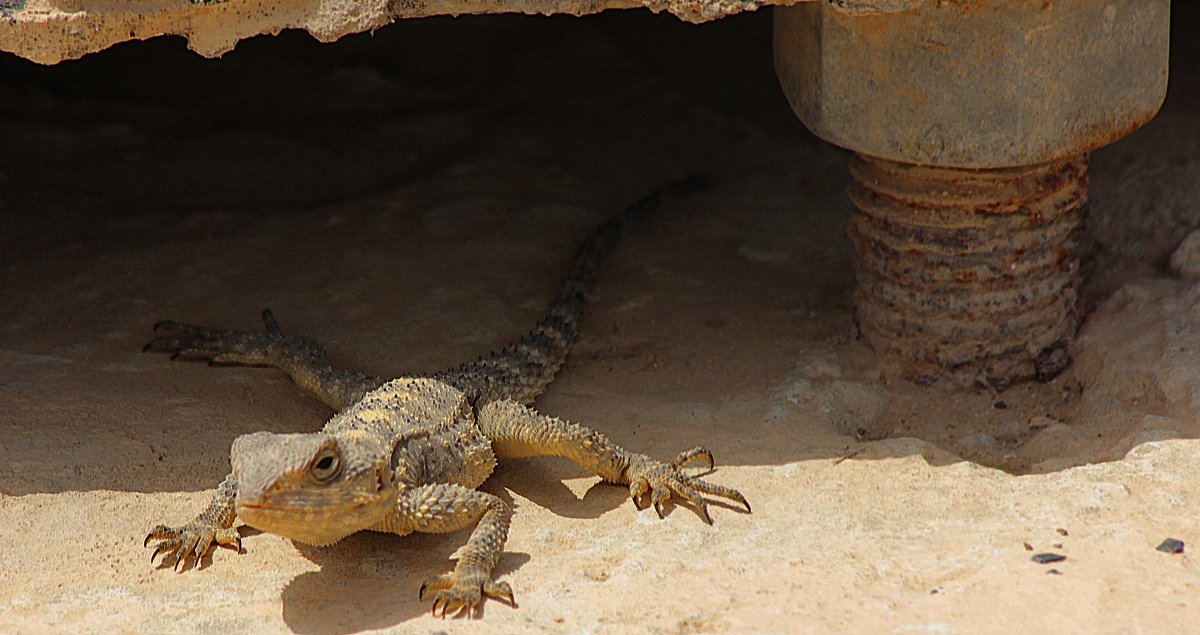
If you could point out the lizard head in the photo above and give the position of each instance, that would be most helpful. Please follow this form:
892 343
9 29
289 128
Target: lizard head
313 488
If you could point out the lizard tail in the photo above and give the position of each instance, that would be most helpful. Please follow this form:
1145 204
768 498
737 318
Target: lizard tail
521 371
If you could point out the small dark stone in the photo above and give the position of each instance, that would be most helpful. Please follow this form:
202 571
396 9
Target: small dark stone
1047 558
1062 532
1051 362
1057 545
1054 572
1171 545
1000 405
1028 547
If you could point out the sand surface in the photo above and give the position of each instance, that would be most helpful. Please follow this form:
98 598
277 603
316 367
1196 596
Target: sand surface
411 199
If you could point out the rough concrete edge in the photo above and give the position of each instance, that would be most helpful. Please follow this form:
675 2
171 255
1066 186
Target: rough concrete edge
51 31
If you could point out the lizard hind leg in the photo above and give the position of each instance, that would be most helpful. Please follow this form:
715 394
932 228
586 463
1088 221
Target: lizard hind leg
517 431
301 358
220 346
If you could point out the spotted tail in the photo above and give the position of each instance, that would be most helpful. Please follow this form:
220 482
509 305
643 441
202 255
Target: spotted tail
522 370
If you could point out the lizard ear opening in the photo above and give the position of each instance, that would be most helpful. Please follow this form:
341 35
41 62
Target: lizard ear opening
409 464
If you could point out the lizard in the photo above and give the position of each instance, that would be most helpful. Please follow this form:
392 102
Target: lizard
406 455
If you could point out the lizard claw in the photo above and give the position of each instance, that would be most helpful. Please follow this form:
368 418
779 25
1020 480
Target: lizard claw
638 487
660 480
687 457
189 543
461 595
218 346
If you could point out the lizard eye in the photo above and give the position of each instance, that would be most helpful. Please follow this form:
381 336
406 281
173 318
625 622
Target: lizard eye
325 466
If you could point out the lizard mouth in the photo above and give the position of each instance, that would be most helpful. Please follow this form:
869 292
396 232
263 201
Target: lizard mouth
300 511
255 511
322 526
282 512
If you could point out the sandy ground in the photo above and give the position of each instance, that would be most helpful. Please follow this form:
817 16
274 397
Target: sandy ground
411 199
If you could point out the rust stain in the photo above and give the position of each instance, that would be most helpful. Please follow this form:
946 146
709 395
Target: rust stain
984 283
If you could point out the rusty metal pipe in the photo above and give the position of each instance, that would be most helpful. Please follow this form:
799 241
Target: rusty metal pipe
968 274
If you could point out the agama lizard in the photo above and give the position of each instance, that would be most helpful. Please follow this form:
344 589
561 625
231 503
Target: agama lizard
406 455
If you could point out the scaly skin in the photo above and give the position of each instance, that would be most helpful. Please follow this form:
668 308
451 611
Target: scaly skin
407 455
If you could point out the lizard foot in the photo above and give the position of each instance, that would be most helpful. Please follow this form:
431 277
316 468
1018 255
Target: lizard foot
463 593
218 346
192 539
659 480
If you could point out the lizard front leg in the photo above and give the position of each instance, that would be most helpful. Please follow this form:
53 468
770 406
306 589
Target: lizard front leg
213 525
517 431
442 508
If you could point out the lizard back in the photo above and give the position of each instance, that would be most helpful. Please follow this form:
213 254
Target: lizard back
430 425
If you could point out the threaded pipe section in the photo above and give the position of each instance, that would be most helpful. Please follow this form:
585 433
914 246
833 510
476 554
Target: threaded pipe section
968 275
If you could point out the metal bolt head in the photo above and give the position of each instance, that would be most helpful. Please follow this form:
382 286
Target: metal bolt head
980 84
